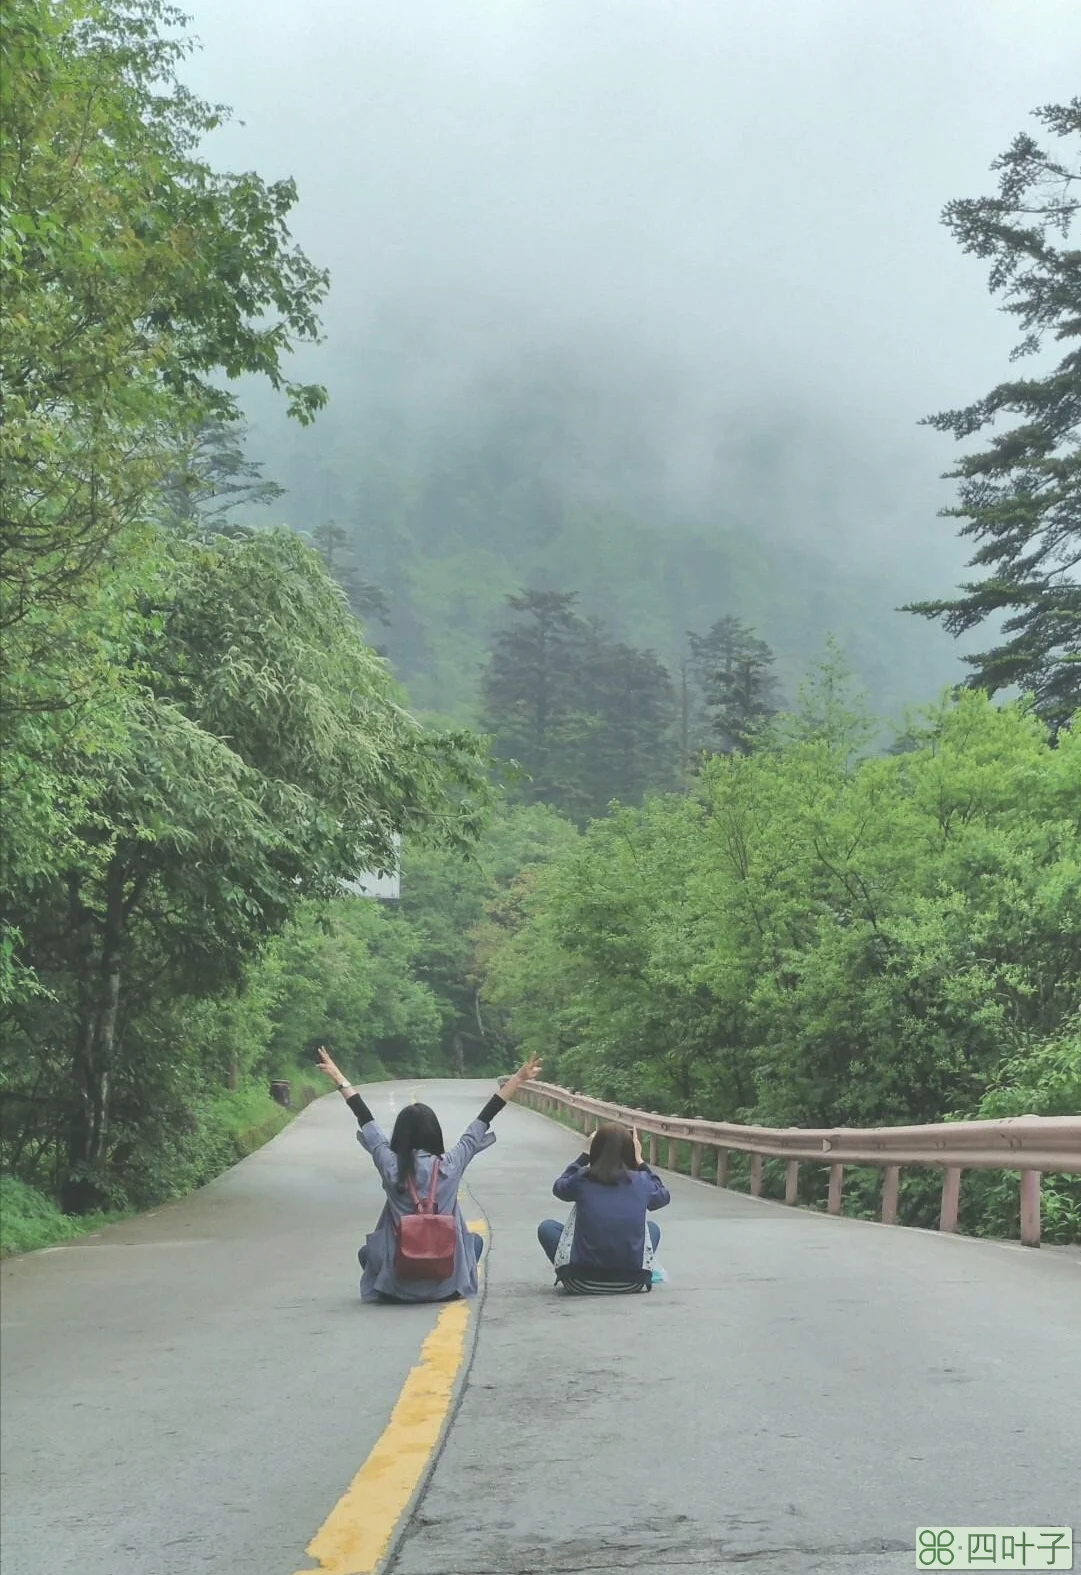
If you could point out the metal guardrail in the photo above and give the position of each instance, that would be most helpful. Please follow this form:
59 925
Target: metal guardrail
1032 1145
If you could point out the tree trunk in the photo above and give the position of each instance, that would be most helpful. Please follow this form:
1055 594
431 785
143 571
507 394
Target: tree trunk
459 1055
95 1054
684 720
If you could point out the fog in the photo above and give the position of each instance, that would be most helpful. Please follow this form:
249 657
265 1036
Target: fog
726 215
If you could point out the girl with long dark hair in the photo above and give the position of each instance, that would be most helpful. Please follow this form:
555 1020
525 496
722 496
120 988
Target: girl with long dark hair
612 1190
417 1171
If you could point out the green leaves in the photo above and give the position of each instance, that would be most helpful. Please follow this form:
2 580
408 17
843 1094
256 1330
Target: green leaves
134 277
823 936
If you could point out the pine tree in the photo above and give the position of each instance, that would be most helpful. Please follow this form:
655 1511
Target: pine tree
738 691
214 478
1020 496
365 600
533 693
631 750
588 718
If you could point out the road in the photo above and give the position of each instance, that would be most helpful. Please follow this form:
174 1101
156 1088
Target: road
192 1393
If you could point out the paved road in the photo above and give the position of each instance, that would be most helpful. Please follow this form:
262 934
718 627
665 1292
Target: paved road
192 1392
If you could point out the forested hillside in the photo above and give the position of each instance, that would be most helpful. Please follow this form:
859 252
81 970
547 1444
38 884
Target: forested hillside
561 478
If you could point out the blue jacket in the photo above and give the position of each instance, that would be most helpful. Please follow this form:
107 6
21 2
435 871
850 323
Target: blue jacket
610 1221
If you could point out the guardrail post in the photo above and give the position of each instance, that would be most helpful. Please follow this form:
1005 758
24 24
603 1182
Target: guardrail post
1030 1208
672 1153
890 1184
696 1160
721 1177
756 1175
791 1181
837 1182
951 1197
653 1149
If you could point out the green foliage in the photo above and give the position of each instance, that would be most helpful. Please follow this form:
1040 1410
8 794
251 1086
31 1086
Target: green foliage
1041 1079
531 486
267 757
448 902
1019 497
351 982
29 1220
818 936
198 743
132 274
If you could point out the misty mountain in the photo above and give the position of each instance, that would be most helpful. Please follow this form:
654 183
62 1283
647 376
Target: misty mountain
548 475
639 301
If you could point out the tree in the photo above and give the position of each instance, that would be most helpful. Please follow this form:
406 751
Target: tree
1020 496
334 548
133 275
589 718
443 900
215 478
533 693
820 937
266 756
733 669
631 750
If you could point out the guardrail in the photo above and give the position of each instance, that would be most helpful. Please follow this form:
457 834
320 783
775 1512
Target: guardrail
1031 1144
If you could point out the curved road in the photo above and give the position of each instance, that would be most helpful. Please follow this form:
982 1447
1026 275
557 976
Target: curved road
193 1392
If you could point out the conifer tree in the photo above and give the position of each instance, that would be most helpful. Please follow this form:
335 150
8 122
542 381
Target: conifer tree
1020 496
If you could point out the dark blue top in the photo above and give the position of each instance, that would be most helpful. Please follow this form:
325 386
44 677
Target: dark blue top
610 1221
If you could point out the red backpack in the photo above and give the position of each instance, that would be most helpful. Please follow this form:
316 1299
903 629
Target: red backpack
427 1241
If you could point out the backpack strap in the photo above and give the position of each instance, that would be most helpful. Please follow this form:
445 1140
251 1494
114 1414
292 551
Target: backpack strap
428 1205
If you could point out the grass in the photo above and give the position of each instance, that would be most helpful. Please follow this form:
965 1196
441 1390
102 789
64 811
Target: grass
29 1220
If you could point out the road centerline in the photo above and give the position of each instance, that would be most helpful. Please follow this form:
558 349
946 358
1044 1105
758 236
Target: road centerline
354 1538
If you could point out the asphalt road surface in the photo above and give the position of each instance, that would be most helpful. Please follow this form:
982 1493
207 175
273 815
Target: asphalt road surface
193 1392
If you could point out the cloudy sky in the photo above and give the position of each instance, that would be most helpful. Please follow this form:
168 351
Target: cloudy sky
744 198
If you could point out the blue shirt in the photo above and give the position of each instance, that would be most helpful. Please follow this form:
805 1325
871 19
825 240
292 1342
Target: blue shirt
610 1221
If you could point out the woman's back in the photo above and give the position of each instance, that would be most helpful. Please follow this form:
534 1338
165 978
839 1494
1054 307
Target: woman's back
407 1162
612 1191
610 1221
380 1278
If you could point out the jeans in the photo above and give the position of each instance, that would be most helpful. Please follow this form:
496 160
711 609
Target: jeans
549 1232
478 1248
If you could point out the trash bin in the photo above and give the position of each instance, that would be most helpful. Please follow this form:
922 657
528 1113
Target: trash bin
280 1092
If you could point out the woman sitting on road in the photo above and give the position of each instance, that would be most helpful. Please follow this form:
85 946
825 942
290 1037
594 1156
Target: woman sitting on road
419 1178
612 1190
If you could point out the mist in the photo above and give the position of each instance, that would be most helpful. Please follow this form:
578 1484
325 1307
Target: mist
717 224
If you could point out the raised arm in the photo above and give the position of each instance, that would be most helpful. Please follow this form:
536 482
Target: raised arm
524 1074
350 1094
476 1135
569 1184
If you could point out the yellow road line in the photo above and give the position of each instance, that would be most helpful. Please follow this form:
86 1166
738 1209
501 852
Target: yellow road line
357 1532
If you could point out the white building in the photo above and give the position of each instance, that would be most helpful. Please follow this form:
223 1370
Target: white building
384 886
